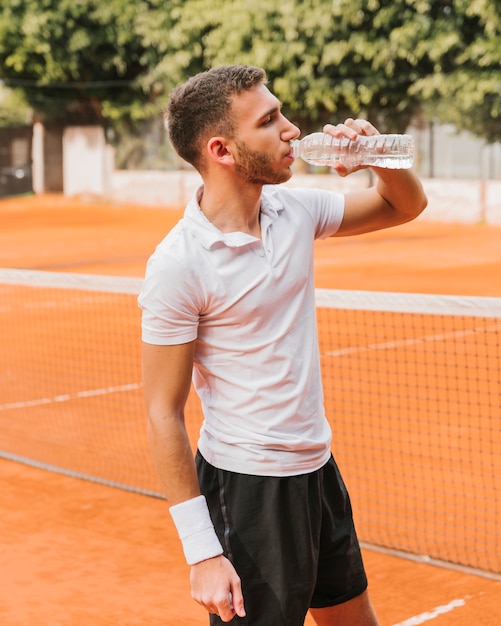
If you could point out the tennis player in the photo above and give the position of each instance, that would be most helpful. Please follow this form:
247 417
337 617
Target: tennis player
228 299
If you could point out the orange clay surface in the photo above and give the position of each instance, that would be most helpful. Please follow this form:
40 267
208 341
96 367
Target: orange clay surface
74 553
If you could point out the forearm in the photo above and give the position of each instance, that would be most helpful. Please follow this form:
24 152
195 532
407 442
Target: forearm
396 198
172 456
175 464
403 192
166 380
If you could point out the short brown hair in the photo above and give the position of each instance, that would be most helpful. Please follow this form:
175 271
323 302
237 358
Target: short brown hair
201 107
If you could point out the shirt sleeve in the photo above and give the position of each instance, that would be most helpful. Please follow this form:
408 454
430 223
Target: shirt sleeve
168 300
326 209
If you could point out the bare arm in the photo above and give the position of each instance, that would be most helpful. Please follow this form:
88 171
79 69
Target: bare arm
167 379
397 197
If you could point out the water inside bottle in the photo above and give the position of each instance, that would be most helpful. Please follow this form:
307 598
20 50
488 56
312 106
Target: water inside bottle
391 161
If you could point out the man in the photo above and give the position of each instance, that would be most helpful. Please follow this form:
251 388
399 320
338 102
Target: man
263 514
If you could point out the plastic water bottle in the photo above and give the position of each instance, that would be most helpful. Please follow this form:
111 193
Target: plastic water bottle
389 151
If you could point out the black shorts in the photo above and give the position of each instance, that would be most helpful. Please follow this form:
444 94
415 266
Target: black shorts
291 541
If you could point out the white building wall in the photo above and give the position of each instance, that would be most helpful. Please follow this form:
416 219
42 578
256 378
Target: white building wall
37 156
86 161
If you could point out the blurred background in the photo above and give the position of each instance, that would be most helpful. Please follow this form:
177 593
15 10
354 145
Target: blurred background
83 84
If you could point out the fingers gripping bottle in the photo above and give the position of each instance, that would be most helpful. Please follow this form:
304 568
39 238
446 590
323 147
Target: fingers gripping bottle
389 151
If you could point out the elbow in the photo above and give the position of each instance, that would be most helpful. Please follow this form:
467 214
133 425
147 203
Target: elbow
421 199
418 205
423 203
162 418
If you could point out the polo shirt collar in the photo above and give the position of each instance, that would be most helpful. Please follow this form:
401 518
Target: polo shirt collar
209 236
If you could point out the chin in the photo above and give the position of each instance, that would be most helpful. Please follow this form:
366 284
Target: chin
286 176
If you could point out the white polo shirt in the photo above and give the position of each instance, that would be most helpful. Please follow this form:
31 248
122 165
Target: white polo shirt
250 303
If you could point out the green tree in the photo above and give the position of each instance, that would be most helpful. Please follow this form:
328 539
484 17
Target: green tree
14 110
464 84
74 59
325 59
387 60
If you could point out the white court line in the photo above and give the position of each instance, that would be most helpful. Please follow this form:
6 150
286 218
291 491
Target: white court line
69 396
414 341
429 615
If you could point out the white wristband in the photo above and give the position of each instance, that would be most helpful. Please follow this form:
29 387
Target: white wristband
196 530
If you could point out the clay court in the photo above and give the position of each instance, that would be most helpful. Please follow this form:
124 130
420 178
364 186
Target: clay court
77 553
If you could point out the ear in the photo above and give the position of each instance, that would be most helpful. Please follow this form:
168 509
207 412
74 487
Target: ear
219 149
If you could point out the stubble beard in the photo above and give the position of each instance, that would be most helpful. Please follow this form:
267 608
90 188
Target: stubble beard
258 168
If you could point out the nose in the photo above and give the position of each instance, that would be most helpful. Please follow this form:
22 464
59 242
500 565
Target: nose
291 131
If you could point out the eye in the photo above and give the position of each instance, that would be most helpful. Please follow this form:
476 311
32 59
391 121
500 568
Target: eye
267 121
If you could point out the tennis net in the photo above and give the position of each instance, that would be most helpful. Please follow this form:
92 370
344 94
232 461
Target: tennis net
412 391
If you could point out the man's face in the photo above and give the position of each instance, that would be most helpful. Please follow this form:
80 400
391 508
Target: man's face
262 140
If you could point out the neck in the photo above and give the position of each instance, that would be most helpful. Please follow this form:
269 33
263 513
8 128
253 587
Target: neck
232 208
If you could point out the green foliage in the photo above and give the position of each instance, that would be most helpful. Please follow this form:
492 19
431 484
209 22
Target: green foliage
326 59
72 56
323 62
464 85
14 110
387 60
